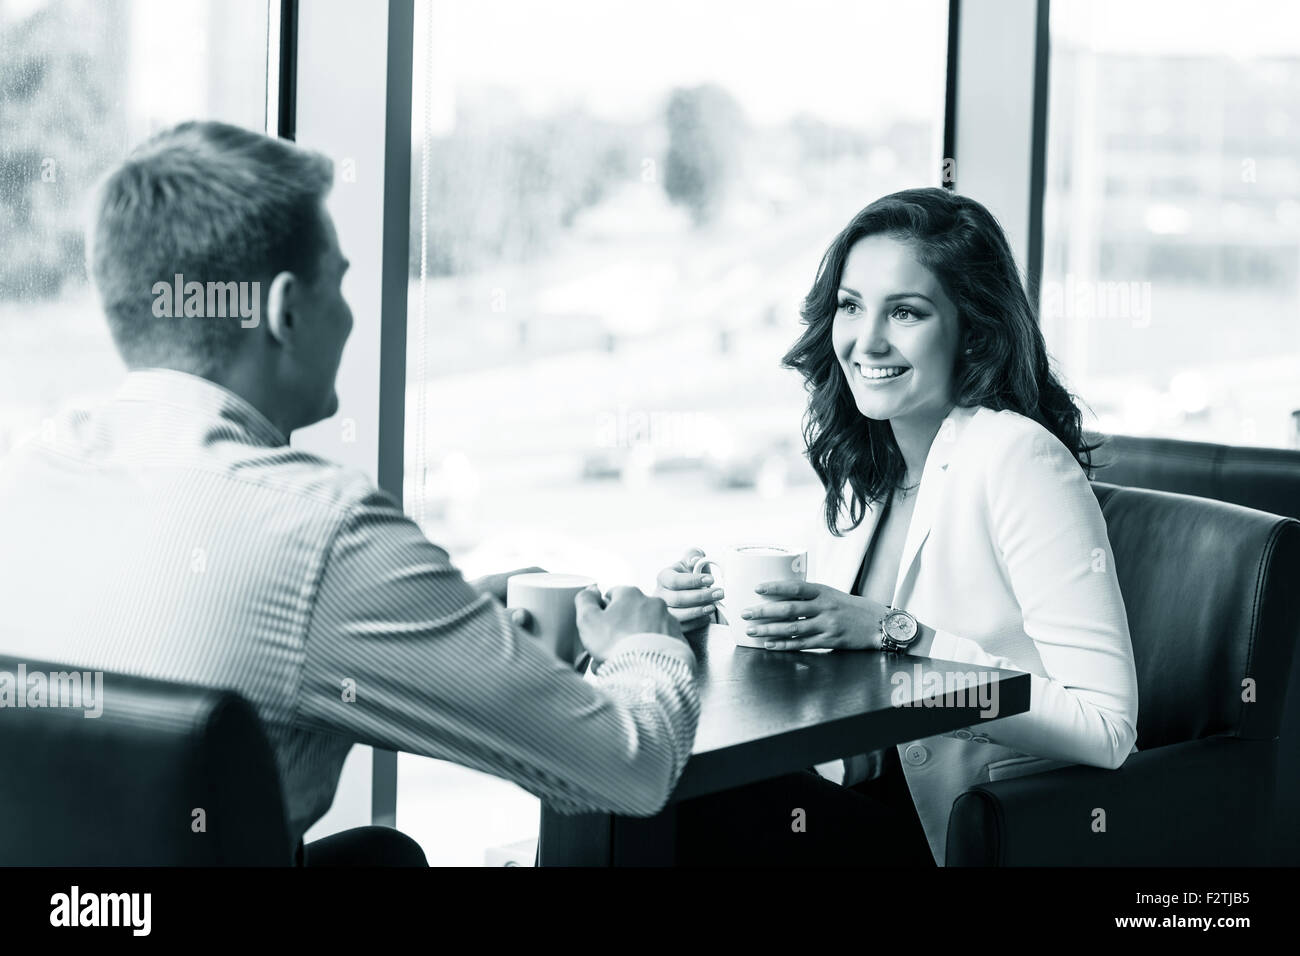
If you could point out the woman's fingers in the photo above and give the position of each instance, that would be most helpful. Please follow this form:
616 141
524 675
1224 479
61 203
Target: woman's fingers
690 595
784 629
692 618
688 560
694 597
790 590
671 579
795 644
791 636
779 611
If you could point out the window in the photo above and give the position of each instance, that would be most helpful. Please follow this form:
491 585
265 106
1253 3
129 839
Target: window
1171 292
596 198
81 82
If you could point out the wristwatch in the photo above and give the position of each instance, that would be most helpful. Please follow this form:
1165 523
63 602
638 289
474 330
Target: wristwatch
898 630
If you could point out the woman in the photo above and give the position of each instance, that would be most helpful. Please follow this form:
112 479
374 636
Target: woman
957 494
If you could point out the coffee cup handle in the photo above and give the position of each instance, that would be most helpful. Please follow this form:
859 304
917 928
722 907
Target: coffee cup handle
703 563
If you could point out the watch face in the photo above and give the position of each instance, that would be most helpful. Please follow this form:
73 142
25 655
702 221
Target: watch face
900 628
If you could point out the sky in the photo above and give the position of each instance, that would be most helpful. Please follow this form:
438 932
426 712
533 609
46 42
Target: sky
853 63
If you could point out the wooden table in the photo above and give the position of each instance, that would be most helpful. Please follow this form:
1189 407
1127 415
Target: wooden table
767 713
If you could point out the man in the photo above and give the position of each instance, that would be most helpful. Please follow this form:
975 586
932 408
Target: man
174 533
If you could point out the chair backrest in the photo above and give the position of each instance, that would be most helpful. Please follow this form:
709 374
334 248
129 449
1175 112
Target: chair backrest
167 774
1264 478
1267 479
1210 591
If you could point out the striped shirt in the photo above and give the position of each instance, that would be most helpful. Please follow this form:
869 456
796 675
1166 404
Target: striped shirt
173 533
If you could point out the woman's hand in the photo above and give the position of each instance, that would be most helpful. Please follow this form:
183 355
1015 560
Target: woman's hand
803 615
690 597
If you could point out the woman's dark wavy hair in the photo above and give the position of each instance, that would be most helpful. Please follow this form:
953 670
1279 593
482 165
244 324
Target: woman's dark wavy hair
958 240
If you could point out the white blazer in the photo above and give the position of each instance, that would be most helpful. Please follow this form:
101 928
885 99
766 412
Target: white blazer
1008 560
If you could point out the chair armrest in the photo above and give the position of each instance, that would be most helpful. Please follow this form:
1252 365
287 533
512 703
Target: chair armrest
1205 802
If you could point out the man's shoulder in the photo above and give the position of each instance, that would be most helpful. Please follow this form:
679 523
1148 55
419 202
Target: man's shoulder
295 472
161 444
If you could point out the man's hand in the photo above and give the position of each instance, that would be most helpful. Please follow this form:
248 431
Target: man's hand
495 585
601 624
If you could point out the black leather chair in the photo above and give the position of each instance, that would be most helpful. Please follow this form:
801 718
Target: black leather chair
1263 478
1210 590
121 789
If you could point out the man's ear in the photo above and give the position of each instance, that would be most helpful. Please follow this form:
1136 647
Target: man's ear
283 305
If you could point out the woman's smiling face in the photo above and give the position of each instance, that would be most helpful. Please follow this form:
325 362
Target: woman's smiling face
895 332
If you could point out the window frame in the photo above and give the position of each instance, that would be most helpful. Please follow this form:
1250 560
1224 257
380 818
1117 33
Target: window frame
361 118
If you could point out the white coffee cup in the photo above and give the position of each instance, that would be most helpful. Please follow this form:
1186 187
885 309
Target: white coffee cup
740 571
548 599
